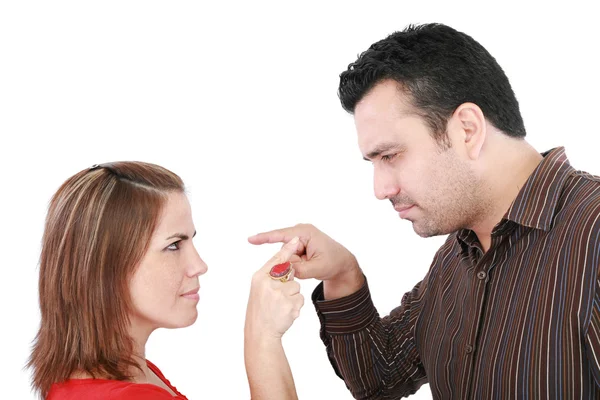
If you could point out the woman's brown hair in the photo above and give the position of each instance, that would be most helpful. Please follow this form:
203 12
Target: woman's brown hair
98 228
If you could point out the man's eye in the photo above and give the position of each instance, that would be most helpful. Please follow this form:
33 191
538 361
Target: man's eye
387 157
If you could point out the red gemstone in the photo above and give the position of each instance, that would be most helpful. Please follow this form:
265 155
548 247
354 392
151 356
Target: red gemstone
280 270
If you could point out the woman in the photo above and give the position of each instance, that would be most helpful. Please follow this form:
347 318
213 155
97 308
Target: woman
117 263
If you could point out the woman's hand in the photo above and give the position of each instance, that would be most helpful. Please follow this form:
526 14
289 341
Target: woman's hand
272 308
273 305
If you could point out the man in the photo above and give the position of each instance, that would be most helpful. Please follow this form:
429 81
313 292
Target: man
510 307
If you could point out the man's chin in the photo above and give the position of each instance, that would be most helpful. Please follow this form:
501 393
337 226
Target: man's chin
426 231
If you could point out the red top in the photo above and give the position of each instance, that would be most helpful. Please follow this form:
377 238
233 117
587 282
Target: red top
105 389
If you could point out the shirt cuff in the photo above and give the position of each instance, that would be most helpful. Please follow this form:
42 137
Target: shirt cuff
345 315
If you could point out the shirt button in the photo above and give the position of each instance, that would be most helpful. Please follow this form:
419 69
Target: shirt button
481 275
469 349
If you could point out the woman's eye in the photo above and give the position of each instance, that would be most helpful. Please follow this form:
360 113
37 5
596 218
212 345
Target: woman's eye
174 246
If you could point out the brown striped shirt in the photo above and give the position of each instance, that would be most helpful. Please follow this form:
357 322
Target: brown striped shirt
521 321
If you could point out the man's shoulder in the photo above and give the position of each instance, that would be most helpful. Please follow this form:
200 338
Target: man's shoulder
580 198
586 177
577 214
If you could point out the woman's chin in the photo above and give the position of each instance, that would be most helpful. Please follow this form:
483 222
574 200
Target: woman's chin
187 321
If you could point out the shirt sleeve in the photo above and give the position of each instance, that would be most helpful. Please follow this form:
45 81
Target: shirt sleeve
592 335
376 357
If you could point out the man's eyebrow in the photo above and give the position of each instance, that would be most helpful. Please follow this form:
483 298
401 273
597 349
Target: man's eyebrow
383 147
181 236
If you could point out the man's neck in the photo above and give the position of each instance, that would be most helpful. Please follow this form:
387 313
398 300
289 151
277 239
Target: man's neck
509 167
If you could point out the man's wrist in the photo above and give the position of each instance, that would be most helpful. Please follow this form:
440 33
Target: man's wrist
343 285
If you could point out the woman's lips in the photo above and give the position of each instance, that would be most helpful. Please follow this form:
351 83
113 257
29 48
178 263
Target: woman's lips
192 294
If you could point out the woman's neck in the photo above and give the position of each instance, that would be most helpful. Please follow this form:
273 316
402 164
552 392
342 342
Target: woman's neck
139 335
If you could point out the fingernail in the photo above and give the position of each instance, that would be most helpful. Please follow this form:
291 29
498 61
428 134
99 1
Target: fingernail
294 240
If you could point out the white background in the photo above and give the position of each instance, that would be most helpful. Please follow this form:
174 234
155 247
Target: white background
240 100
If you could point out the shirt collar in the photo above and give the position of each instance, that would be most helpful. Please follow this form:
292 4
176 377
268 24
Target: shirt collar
536 202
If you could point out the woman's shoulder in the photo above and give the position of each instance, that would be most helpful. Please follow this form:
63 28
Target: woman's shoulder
162 377
106 389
